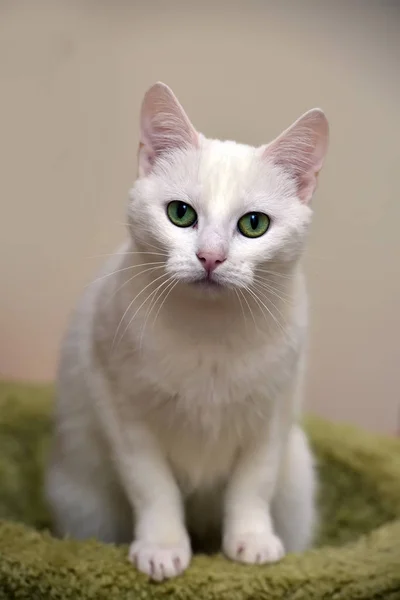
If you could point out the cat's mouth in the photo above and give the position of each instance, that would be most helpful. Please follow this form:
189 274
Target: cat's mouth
207 283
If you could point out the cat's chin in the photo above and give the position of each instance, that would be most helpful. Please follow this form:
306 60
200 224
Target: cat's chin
207 287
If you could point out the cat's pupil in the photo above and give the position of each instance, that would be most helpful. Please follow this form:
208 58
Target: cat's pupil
254 221
181 210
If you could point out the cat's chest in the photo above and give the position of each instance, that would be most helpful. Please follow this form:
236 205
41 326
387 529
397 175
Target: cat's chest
207 372
222 373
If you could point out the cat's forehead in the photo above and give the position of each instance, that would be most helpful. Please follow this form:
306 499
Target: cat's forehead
224 169
225 172
217 156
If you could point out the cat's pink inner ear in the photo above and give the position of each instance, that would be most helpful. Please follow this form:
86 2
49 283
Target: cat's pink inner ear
301 150
164 126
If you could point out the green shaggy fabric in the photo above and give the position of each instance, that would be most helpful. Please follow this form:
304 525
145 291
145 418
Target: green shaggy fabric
357 555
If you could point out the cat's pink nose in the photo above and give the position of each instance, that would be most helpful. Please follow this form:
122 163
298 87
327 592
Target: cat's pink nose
211 260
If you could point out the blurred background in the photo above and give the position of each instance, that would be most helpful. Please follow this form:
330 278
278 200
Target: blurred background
72 76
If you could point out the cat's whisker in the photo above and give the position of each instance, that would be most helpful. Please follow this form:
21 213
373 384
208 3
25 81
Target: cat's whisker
161 289
274 273
174 284
154 299
256 297
248 306
265 294
123 223
286 299
241 306
152 293
280 287
285 280
268 299
256 300
154 246
131 279
171 282
278 322
122 270
259 304
126 254
129 306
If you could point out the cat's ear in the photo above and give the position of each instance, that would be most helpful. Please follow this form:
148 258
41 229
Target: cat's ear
164 126
301 150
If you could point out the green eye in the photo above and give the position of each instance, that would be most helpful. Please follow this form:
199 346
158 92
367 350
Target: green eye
253 224
181 214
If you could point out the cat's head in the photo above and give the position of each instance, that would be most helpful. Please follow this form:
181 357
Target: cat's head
221 211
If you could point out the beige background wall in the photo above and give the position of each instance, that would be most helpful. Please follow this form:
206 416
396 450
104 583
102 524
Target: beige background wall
71 79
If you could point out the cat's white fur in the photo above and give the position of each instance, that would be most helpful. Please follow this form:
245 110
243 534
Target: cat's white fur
186 419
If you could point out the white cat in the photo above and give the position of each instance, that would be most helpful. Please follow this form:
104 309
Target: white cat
179 388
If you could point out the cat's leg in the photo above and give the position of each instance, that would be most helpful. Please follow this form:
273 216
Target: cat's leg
248 531
161 546
265 518
293 506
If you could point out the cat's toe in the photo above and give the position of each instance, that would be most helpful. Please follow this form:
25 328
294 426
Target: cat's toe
160 561
254 548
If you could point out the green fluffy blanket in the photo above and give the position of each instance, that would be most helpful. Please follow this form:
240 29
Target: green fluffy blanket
357 555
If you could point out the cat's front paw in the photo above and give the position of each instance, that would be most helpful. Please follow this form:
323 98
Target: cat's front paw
254 548
160 561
